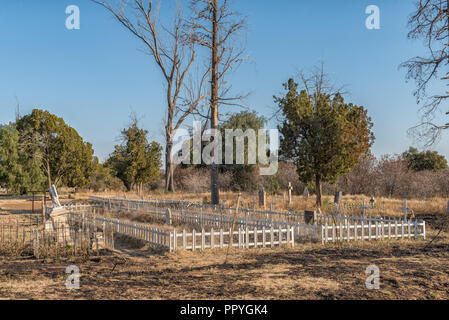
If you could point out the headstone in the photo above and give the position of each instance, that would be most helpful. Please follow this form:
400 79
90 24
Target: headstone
168 219
338 196
372 202
310 217
54 197
58 218
306 193
290 188
262 197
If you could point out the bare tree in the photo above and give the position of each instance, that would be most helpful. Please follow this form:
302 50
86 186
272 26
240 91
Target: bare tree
174 53
218 29
429 22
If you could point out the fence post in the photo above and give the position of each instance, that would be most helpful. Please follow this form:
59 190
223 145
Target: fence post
175 240
348 230
402 228
369 230
293 236
389 229
363 229
409 222
240 238
212 236
184 239
322 235
264 237
424 229
376 225
395 228
341 230
255 237
280 235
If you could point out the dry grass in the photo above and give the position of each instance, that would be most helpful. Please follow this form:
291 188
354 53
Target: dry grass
408 269
349 204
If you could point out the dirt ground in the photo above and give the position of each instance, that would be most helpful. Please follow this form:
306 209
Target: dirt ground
408 270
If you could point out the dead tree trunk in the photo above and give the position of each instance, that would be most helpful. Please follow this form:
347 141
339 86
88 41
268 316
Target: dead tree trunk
215 189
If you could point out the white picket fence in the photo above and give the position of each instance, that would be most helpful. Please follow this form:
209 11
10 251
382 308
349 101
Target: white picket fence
379 230
154 237
116 203
252 232
254 238
359 228
216 220
242 239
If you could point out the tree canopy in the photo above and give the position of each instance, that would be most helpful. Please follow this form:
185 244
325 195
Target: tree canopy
426 160
244 176
322 134
17 173
63 155
136 161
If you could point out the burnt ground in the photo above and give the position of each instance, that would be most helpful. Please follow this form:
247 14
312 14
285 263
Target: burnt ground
408 270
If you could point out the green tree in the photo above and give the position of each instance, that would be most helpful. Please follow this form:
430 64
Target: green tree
244 176
426 160
17 173
64 157
323 135
135 161
103 178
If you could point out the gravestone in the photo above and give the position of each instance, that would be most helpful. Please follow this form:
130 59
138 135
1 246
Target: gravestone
168 219
372 202
262 197
310 217
58 218
290 188
306 193
338 196
54 197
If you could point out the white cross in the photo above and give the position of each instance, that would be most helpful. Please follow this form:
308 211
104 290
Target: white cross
364 207
405 209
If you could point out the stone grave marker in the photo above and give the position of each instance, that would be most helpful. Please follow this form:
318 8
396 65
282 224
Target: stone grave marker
310 217
168 219
290 188
306 193
262 197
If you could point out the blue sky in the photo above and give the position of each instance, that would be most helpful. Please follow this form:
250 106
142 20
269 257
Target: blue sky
94 77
